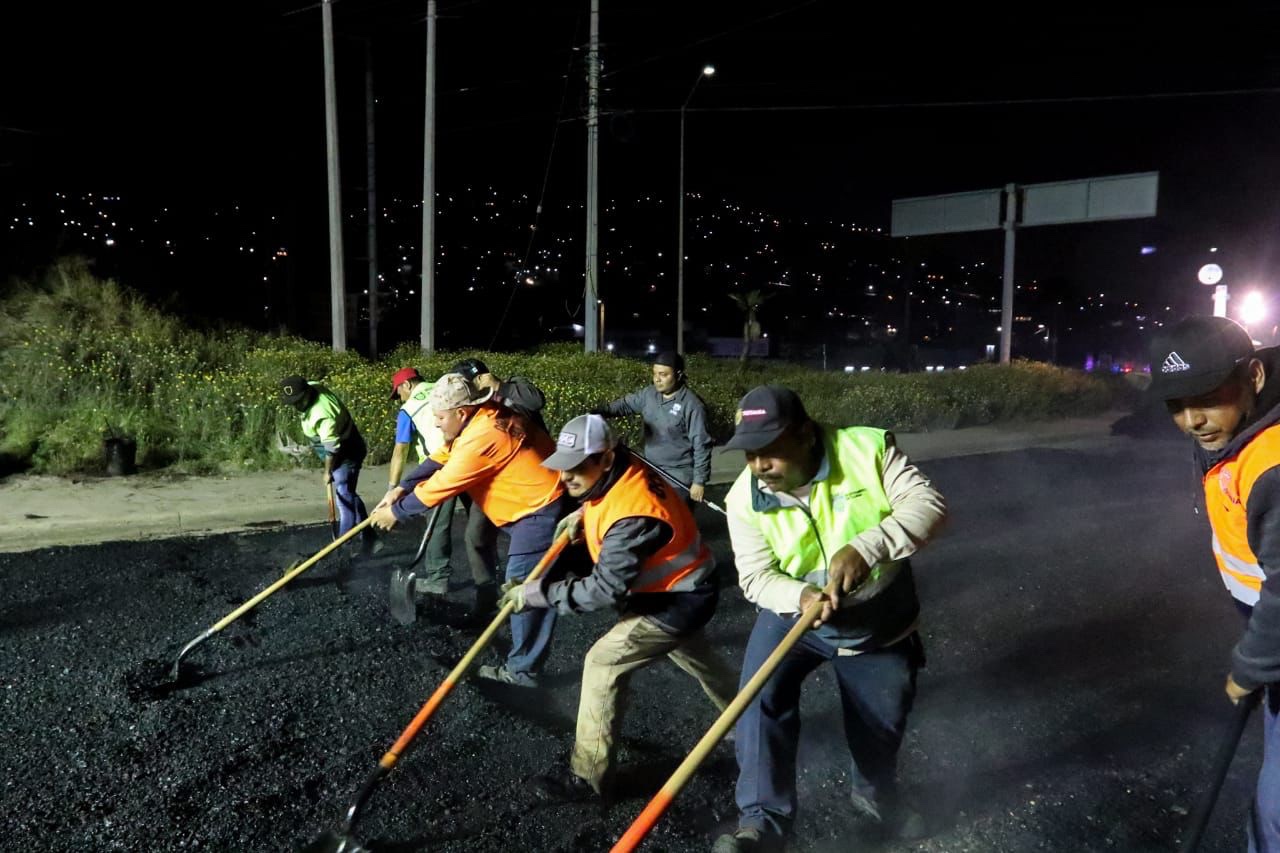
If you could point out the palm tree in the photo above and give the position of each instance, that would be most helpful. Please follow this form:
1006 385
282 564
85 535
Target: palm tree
749 303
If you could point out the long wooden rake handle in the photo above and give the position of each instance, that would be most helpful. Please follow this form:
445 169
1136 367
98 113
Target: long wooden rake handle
392 755
658 805
269 591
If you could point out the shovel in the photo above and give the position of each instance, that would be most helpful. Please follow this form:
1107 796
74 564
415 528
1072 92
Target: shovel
673 481
661 800
265 594
333 510
341 840
400 590
1221 764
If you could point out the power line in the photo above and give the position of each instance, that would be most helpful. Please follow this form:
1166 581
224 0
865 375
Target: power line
999 102
546 175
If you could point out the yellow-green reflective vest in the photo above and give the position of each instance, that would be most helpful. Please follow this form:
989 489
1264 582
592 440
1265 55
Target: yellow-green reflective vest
850 500
427 437
327 423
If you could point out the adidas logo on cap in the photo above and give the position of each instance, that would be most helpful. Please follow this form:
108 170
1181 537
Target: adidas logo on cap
1173 363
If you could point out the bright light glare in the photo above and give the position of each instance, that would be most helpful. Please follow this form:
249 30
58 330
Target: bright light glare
1253 308
708 70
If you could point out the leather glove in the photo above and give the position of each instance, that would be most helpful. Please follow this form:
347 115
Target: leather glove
571 524
512 593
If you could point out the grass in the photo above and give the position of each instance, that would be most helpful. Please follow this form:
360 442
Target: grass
82 359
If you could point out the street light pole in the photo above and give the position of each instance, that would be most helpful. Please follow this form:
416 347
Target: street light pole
707 71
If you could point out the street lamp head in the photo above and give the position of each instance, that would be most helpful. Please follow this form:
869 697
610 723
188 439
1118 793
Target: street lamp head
708 70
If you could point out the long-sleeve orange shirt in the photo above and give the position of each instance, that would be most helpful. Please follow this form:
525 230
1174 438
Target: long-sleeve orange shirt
501 471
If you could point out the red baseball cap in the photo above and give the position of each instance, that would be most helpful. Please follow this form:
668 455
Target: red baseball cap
403 375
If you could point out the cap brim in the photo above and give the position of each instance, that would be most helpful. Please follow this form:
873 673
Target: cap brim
755 439
1181 386
563 460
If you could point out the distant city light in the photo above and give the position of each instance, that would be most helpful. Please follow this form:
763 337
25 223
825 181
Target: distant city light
1148 250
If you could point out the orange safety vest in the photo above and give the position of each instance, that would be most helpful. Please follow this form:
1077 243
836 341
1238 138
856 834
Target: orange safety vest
679 565
1226 496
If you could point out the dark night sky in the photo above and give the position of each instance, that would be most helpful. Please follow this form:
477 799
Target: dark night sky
226 100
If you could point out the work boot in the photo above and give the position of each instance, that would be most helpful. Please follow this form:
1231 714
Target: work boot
749 841
431 586
564 786
894 818
486 600
372 547
505 676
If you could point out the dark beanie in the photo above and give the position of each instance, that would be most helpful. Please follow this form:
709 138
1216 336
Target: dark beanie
670 358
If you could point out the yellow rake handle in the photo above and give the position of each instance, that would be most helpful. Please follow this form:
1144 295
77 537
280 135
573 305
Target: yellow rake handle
661 800
286 577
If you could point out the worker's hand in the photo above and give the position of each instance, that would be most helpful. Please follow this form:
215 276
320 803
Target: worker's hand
393 494
383 517
812 594
1235 692
847 571
697 492
512 593
571 524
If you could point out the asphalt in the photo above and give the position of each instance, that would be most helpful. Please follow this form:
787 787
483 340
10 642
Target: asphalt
1077 637
42 511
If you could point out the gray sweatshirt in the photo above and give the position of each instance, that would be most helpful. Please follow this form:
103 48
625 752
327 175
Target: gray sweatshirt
675 429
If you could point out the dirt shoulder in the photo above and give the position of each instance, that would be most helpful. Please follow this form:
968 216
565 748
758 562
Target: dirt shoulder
42 511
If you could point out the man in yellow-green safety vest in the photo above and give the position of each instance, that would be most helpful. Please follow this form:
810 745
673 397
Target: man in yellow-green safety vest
336 439
825 514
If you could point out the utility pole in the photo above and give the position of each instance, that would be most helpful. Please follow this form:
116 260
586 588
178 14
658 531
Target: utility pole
1006 301
428 319
591 307
337 287
372 198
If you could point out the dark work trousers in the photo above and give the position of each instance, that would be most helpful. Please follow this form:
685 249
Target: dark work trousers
482 544
440 546
876 692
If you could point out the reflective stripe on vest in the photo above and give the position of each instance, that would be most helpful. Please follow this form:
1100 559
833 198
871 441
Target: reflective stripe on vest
1243 580
850 500
1227 487
683 562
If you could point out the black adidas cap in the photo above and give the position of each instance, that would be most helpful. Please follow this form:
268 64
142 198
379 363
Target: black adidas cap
1196 356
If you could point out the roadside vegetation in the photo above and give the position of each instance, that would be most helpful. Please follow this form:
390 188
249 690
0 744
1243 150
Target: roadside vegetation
82 359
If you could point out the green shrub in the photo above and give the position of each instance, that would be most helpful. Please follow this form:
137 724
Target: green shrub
82 358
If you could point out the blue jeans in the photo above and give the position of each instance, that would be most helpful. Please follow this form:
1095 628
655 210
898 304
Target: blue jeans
1264 817
351 509
876 692
531 630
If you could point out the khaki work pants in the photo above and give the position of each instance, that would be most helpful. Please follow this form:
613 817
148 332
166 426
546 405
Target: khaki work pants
631 644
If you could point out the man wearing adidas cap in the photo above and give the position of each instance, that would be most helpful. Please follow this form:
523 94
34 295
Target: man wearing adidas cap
1218 390
821 507
652 566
